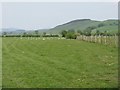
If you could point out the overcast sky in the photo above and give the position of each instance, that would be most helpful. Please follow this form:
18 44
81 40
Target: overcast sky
49 14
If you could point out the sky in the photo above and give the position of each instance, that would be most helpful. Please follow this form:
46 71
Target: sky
45 15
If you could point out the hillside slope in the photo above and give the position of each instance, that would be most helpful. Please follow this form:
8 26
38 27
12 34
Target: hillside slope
107 25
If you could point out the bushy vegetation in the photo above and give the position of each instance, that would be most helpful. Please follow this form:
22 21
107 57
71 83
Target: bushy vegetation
70 34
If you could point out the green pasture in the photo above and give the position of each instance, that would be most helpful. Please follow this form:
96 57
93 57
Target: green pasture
58 63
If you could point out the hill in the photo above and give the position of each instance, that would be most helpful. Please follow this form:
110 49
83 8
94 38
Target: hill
110 26
11 31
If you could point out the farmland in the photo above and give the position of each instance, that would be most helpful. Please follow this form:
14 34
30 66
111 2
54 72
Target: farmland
58 63
0 63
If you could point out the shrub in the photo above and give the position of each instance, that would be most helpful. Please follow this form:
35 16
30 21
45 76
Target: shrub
71 35
64 32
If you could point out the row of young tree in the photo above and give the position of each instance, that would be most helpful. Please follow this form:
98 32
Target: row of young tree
36 34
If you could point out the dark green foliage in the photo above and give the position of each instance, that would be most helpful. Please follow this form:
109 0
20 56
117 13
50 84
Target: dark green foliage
80 32
36 31
25 35
105 33
30 35
12 35
71 31
101 25
44 33
70 35
97 32
51 35
88 30
4 34
64 32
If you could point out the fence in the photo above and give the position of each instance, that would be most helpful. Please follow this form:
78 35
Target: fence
106 40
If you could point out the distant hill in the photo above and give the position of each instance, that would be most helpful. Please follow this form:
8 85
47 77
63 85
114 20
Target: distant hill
13 31
40 31
110 26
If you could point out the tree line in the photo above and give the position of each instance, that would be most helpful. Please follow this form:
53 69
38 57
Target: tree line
25 34
68 34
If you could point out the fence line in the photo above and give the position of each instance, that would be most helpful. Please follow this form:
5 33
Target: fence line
106 40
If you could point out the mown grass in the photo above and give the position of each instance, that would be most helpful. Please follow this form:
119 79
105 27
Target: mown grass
0 63
58 64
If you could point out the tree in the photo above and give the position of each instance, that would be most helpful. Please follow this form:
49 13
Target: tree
44 33
24 33
105 33
64 32
101 25
36 32
88 30
71 35
71 30
97 32
4 33
80 32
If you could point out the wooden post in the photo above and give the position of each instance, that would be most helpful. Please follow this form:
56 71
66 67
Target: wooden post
105 39
95 38
110 40
115 40
91 38
99 38
82 37
86 38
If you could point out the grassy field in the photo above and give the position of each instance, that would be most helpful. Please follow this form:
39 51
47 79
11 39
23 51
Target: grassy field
58 64
0 63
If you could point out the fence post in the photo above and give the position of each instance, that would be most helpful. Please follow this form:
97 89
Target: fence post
105 39
110 41
91 38
81 37
86 38
115 40
95 38
99 38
